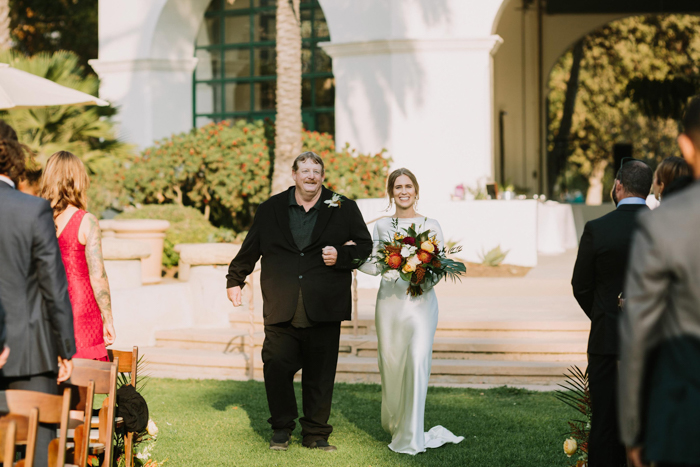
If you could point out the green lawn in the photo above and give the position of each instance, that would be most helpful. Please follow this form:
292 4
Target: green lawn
225 423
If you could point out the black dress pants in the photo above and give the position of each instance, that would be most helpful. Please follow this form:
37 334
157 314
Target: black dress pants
45 382
604 446
314 350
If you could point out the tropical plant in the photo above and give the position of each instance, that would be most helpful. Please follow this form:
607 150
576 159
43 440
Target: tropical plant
494 257
288 106
576 394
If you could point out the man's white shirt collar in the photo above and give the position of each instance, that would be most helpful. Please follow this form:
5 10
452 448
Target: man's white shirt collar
7 180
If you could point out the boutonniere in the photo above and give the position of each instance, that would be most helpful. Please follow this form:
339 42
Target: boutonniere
334 202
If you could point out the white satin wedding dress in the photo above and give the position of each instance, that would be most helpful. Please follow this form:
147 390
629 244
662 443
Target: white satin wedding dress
405 331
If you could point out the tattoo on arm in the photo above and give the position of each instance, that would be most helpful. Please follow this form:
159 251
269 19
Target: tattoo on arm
96 267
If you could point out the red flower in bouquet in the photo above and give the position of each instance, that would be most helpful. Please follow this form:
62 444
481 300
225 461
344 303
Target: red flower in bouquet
394 260
424 256
409 241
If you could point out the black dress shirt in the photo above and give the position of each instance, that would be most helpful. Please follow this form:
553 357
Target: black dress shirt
301 223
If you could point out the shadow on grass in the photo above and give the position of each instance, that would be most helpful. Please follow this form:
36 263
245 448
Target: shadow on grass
249 396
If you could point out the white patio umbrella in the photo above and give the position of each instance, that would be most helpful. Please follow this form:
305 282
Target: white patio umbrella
22 90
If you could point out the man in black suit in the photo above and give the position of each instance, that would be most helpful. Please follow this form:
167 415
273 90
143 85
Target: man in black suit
301 235
305 279
660 325
33 291
597 283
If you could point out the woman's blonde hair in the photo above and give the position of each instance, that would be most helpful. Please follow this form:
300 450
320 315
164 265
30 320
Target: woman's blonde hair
392 180
65 182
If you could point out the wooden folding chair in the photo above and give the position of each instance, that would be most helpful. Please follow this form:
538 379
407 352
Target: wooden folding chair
17 429
94 377
8 439
36 407
128 362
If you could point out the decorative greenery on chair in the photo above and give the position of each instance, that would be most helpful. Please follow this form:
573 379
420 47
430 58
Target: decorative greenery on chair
576 394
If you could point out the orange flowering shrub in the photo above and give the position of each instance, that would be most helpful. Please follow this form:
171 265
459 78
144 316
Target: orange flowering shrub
221 169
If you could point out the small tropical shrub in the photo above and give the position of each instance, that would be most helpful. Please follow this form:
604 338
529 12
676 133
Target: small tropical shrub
187 225
494 257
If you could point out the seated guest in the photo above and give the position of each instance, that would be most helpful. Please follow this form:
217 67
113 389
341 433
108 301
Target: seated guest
65 185
667 171
33 292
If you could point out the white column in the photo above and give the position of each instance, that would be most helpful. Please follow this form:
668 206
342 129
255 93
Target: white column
154 96
427 101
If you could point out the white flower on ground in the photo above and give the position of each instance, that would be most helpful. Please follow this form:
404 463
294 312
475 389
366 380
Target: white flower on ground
414 261
407 250
392 275
152 428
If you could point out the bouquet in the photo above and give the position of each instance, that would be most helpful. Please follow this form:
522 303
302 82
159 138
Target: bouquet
416 257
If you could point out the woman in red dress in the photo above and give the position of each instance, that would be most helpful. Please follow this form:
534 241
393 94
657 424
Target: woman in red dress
64 184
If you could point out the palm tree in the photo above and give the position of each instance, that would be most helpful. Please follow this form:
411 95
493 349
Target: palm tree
85 131
288 123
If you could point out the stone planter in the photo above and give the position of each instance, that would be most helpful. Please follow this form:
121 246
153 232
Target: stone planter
123 261
204 267
149 231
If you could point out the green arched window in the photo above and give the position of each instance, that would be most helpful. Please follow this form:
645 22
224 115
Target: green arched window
236 72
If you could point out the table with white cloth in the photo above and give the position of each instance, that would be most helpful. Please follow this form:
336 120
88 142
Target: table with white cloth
524 228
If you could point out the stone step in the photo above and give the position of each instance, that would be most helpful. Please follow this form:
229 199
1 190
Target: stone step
205 364
561 329
444 348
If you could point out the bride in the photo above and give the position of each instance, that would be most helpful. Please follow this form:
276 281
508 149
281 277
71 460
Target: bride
405 329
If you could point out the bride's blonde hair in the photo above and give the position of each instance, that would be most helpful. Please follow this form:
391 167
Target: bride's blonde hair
65 182
392 180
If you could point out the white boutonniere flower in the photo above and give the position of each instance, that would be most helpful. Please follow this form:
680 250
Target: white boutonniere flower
334 202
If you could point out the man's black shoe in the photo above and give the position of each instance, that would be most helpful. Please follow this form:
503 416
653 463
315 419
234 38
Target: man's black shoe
280 440
323 445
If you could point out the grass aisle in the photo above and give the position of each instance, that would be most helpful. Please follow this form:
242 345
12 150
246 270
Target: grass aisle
224 423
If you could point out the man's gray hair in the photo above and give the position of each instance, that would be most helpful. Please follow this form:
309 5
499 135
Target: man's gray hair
306 156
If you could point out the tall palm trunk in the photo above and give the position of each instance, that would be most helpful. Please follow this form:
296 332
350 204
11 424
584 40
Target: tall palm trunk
288 120
5 41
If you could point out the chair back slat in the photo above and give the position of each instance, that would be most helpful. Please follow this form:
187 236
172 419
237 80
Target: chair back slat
85 371
35 407
8 437
127 361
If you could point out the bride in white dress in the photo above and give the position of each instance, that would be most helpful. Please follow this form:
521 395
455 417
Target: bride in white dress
405 330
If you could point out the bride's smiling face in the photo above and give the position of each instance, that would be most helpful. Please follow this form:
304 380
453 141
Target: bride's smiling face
404 192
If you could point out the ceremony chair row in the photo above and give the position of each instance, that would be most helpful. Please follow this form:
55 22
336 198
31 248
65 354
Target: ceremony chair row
79 433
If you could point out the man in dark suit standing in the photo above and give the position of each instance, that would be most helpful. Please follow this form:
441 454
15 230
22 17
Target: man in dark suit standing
301 235
33 291
597 283
660 325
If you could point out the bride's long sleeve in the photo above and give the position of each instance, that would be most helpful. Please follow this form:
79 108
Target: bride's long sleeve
370 266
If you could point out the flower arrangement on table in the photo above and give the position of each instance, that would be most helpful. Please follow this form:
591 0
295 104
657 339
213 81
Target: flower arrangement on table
416 257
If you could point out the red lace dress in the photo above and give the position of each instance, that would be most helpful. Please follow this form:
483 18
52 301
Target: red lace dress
87 319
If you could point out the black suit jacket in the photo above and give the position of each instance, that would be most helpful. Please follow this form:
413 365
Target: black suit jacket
599 274
33 286
285 269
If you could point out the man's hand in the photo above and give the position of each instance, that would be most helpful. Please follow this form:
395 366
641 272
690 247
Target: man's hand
3 356
234 294
635 456
330 255
65 369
